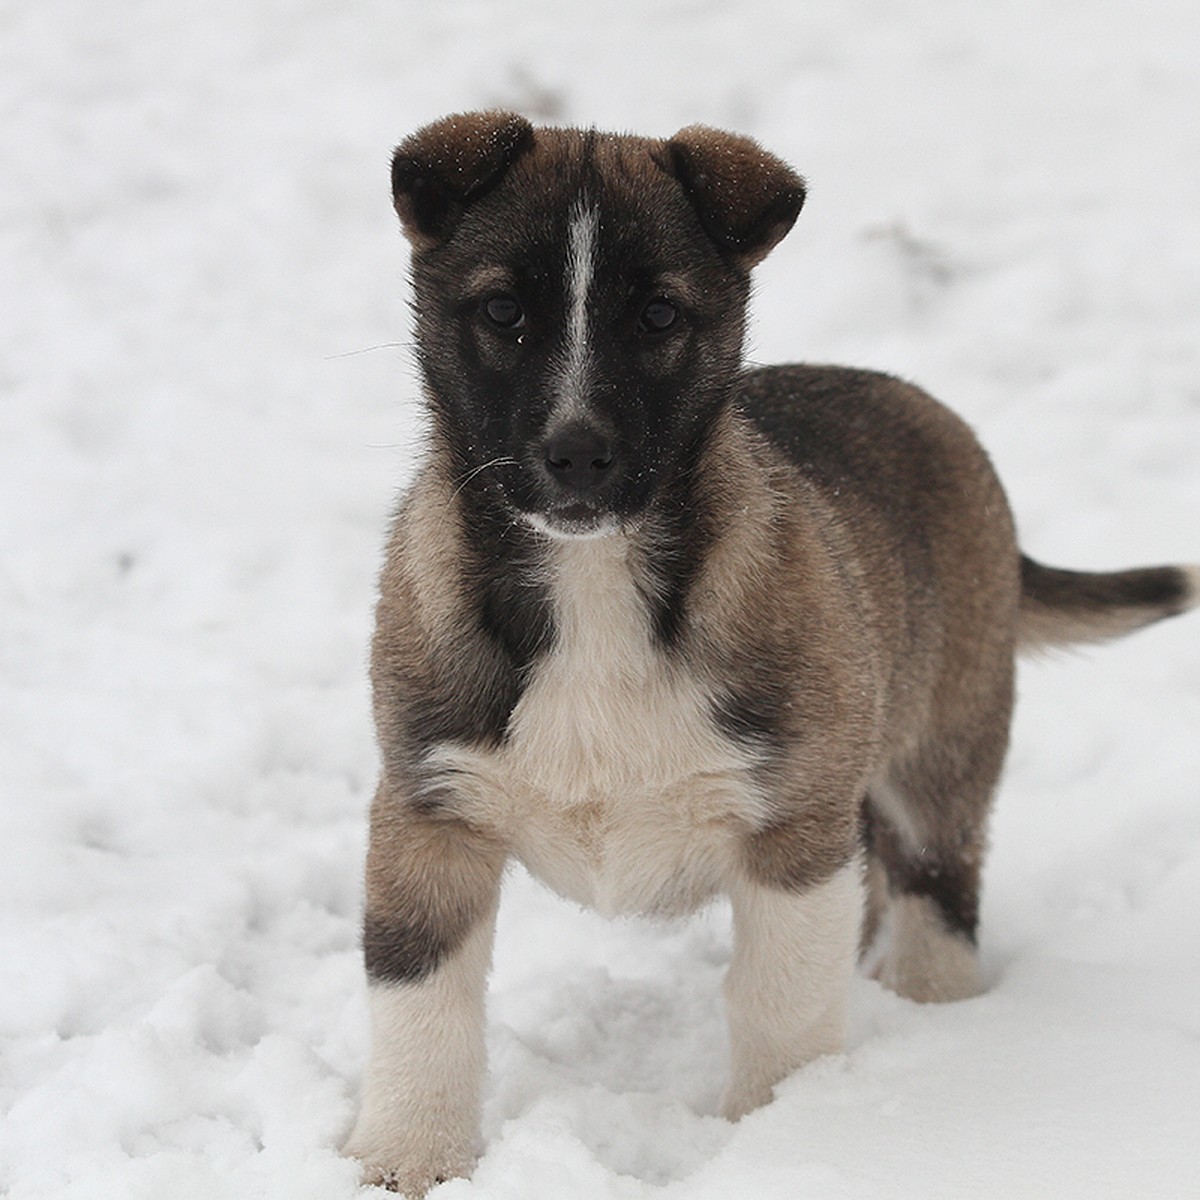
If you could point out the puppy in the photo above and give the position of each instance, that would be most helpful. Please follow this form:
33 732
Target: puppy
664 628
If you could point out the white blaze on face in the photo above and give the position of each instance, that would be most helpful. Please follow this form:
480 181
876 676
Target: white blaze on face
581 266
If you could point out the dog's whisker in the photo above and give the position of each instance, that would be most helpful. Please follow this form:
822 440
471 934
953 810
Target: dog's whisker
505 460
367 350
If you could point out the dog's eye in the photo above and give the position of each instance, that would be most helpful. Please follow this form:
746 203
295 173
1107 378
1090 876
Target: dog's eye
658 316
504 311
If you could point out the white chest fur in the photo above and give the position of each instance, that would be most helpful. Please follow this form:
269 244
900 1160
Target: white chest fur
614 786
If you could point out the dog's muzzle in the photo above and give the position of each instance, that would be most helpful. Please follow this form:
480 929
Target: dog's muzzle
577 461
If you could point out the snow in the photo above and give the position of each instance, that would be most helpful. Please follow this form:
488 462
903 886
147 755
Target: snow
207 407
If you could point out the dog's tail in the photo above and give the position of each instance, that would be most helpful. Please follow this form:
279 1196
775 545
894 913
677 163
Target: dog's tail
1059 607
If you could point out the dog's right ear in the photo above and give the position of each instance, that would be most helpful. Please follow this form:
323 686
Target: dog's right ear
440 169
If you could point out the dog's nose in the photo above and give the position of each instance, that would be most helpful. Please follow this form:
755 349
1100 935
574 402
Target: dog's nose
579 458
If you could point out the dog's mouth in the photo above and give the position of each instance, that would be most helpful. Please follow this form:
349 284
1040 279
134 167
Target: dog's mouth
577 520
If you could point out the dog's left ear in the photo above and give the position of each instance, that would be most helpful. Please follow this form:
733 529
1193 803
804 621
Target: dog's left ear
746 198
440 169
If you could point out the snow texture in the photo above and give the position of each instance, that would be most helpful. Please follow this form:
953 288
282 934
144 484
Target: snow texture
206 407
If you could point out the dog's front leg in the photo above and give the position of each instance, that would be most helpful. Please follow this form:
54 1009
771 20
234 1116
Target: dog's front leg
793 959
432 892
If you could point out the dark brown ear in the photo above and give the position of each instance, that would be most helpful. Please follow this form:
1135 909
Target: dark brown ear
746 198
440 169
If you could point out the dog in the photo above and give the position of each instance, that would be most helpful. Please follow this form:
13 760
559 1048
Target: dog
665 628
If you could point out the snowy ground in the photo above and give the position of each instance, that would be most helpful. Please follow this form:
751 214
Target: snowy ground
196 463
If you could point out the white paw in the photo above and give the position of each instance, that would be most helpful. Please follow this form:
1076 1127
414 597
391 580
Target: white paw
409 1174
925 961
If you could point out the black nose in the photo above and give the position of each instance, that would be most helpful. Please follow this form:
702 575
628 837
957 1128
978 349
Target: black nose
579 458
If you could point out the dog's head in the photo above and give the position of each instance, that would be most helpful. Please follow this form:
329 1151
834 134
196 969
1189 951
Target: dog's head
581 301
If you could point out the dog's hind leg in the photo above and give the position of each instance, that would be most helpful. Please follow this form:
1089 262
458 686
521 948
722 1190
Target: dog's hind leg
926 827
926 821
929 923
